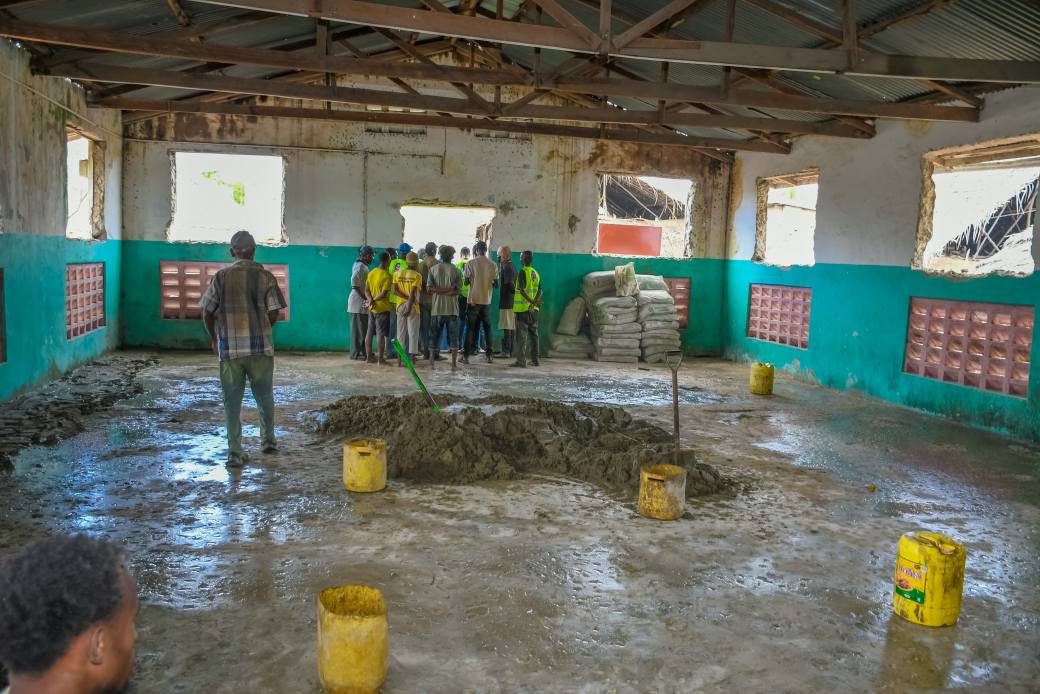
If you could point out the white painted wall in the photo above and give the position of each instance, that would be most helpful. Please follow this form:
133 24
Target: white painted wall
33 113
870 190
344 185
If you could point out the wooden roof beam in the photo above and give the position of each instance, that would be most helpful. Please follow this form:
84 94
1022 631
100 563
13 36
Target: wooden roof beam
594 133
702 52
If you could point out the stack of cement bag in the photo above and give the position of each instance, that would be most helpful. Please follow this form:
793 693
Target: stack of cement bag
567 343
614 319
660 329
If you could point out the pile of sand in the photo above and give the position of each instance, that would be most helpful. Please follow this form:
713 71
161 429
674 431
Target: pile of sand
502 438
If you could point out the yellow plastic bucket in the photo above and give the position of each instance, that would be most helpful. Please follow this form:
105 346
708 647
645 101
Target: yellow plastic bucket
352 640
364 465
929 579
662 491
762 378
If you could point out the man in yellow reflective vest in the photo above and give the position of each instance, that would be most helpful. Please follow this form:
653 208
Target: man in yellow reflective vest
527 302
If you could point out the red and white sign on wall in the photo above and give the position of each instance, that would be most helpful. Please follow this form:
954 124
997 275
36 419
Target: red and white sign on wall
183 282
84 298
779 313
985 346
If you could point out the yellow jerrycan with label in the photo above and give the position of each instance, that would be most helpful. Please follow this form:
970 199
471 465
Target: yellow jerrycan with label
929 579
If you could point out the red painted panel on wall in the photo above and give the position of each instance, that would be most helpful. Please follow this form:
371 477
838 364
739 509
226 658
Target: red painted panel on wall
629 239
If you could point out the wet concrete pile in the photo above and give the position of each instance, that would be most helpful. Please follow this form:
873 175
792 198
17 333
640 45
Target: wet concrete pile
55 411
503 438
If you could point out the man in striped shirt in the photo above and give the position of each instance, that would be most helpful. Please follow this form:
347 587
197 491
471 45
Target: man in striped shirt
239 308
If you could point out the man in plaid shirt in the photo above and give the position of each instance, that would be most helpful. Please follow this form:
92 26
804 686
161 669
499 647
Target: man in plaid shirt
239 307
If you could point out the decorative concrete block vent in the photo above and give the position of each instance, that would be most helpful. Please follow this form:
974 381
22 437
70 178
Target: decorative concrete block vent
985 346
780 313
84 298
183 282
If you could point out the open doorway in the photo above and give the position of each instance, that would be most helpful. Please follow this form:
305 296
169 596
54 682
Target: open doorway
644 216
453 225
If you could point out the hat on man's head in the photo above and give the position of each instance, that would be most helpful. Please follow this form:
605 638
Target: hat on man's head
243 241
405 247
412 257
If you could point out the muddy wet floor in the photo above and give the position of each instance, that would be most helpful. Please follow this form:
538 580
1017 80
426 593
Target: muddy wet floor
548 582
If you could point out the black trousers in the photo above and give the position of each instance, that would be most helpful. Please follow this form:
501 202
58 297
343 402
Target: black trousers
477 317
359 345
526 347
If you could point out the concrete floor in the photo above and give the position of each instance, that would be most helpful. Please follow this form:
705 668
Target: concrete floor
546 584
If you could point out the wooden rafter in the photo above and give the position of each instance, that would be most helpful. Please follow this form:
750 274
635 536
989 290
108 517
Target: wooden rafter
704 52
596 133
178 12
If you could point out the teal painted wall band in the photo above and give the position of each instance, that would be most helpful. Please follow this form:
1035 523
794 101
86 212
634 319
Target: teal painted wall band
34 306
858 330
319 283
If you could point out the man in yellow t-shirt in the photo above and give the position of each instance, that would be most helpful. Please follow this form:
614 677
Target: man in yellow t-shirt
377 290
407 284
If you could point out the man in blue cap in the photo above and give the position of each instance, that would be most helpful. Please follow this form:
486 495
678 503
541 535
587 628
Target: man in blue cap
360 345
396 264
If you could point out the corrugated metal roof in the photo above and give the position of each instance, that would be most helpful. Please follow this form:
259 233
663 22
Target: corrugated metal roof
983 29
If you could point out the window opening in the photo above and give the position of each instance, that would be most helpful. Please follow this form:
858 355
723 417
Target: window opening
786 224
980 206
779 313
455 226
84 298
84 185
217 194
644 216
985 346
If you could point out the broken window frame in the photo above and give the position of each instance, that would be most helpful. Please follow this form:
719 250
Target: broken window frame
603 179
767 183
235 151
993 153
96 164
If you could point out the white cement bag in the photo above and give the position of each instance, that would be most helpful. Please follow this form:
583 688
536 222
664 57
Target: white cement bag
558 341
652 296
554 354
573 314
625 280
616 318
598 282
651 283
652 325
609 303
667 332
622 329
656 312
631 343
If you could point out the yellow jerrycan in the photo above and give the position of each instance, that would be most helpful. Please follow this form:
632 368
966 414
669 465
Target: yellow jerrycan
762 378
929 579
364 465
353 640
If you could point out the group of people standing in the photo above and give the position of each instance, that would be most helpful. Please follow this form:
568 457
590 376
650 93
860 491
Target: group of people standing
419 298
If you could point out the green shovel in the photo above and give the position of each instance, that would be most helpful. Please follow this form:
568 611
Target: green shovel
418 381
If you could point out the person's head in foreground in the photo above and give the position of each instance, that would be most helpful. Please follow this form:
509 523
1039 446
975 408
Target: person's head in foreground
384 260
479 248
431 249
446 253
243 246
67 612
526 258
412 259
505 254
365 254
464 253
